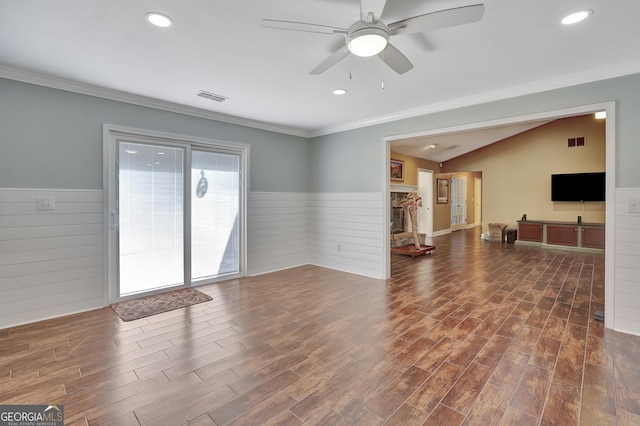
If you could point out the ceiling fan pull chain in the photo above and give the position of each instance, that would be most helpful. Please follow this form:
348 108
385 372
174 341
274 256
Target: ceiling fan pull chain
382 71
350 76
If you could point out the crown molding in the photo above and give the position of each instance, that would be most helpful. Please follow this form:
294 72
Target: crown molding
115 95
618 70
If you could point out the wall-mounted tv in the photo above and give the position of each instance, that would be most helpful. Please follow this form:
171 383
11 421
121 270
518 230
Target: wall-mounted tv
578 187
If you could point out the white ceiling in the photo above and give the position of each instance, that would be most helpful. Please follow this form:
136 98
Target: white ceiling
107 47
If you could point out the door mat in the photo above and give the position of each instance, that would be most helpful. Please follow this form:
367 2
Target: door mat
134 309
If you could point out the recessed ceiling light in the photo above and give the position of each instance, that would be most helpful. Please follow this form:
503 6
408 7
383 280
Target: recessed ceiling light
159 19
131 151
600 115
576 17
339 92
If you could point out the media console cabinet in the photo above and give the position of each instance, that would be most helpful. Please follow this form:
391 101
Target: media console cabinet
562 235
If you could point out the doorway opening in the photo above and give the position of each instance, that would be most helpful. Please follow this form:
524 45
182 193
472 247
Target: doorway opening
608 107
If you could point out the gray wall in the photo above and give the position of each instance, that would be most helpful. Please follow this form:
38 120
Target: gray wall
53 139
349 161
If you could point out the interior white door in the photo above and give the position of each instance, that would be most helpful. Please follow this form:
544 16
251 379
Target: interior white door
425 191
458 202
477 197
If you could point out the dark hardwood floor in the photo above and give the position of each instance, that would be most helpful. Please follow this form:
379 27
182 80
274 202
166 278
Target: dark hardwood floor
476 333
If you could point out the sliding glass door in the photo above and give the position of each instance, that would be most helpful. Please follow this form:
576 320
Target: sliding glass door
175 214
150 200
215 208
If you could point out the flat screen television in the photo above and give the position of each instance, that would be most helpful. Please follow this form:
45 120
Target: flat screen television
578 187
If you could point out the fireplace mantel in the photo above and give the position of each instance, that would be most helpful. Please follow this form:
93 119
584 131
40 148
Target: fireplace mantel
402 188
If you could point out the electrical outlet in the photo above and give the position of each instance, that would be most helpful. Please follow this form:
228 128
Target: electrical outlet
45 203
633 206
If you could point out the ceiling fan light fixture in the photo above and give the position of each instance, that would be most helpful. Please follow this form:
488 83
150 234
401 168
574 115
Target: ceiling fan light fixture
367 39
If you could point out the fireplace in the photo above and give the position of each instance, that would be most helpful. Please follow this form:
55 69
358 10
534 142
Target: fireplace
398 215
397 220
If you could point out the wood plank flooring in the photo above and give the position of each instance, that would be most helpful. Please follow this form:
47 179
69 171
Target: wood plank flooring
475 333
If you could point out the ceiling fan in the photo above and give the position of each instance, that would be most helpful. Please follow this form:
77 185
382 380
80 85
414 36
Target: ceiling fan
370 36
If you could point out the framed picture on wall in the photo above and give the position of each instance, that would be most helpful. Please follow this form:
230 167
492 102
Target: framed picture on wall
443 191
397 170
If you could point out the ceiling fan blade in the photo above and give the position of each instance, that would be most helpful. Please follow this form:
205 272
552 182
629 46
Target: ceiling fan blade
395 59
302 26
333 59
440 19
371 6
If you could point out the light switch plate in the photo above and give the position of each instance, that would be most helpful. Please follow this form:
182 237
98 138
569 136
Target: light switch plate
633 206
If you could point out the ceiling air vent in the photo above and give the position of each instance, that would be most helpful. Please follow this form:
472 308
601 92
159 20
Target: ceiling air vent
212 96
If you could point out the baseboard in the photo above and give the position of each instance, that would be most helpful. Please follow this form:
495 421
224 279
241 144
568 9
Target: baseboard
559 247
49 317
269 271
442 232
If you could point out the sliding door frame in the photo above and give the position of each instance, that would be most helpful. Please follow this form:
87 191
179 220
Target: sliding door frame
111 135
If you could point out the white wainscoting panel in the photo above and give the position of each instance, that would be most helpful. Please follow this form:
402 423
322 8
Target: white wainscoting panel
627 263
277 231
51 261
335 230
347 231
